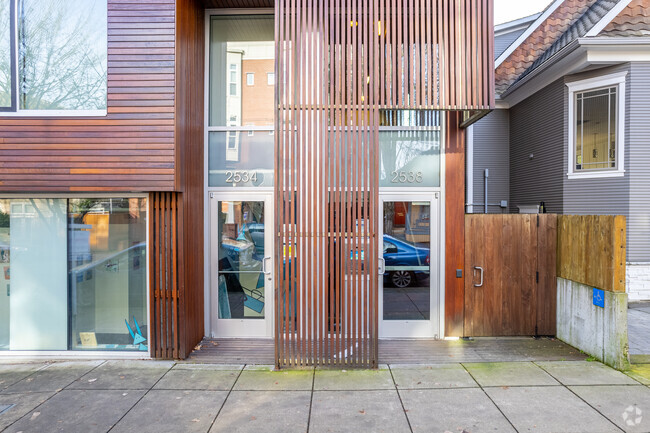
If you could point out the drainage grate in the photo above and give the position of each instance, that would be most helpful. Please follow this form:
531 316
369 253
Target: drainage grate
5 407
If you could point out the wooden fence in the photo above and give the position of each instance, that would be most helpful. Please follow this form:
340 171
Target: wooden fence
591 250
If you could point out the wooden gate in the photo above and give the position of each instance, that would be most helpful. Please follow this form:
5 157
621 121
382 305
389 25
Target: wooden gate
510 265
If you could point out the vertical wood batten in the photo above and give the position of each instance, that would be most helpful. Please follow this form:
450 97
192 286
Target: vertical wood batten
163 274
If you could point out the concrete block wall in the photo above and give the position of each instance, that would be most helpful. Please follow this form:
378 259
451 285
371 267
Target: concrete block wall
600 332
637 281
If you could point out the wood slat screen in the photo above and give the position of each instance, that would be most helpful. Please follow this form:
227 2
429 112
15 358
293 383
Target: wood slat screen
339 62
326 186
164 214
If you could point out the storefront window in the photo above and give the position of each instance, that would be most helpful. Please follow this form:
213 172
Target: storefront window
33 283
73 274
108 279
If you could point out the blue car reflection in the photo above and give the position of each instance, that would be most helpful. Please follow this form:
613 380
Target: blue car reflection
404 262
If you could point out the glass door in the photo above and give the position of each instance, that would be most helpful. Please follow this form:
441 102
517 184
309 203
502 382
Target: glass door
409 294
241 290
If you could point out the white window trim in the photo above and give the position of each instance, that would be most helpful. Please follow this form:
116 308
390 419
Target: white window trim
617 79
250 75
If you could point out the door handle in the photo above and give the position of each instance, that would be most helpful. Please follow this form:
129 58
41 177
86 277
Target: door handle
264 270
478 268
381 269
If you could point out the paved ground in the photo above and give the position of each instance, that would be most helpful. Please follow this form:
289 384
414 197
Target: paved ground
157 397
638 328
484 349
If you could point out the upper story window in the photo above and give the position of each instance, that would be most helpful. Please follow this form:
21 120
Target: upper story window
241 46
596 121
53 57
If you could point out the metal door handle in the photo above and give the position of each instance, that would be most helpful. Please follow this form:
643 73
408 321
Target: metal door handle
264 270
481 283
382 266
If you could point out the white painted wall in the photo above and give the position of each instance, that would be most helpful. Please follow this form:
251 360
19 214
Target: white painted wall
637 281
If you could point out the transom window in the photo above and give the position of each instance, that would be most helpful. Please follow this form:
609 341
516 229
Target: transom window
53 56
596 113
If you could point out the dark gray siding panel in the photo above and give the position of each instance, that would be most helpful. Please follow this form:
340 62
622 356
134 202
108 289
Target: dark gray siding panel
638 147
605 196
537 130
501 42
491 151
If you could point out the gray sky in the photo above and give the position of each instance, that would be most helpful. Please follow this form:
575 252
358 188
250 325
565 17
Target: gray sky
508 10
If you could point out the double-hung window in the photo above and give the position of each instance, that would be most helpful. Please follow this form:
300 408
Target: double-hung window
596 123
53 57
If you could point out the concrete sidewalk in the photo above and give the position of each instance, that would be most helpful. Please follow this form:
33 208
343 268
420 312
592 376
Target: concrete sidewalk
157 397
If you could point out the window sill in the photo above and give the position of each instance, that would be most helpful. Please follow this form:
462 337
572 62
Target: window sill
54 113
596 174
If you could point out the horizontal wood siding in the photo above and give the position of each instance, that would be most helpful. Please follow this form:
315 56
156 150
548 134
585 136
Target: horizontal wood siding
130 149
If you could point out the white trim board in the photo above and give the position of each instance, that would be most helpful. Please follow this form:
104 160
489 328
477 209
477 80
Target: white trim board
531 28
609 16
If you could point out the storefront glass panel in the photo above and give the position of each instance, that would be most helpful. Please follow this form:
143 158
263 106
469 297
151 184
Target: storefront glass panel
73 274
108 273
33 278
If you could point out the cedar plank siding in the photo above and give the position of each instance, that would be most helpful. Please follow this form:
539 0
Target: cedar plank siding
130 149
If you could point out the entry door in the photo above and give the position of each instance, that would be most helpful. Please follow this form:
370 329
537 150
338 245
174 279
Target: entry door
241 265
409 264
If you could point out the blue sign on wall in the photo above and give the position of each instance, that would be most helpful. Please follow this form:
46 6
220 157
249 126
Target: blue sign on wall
599 298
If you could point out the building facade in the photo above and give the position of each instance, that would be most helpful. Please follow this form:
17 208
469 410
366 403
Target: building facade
291 170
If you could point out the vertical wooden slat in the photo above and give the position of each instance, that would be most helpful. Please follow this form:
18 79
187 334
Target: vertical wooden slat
165 273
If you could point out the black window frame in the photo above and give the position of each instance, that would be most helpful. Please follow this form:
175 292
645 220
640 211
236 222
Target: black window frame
13 61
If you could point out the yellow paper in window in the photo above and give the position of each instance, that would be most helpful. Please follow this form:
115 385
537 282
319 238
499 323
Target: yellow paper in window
88 339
